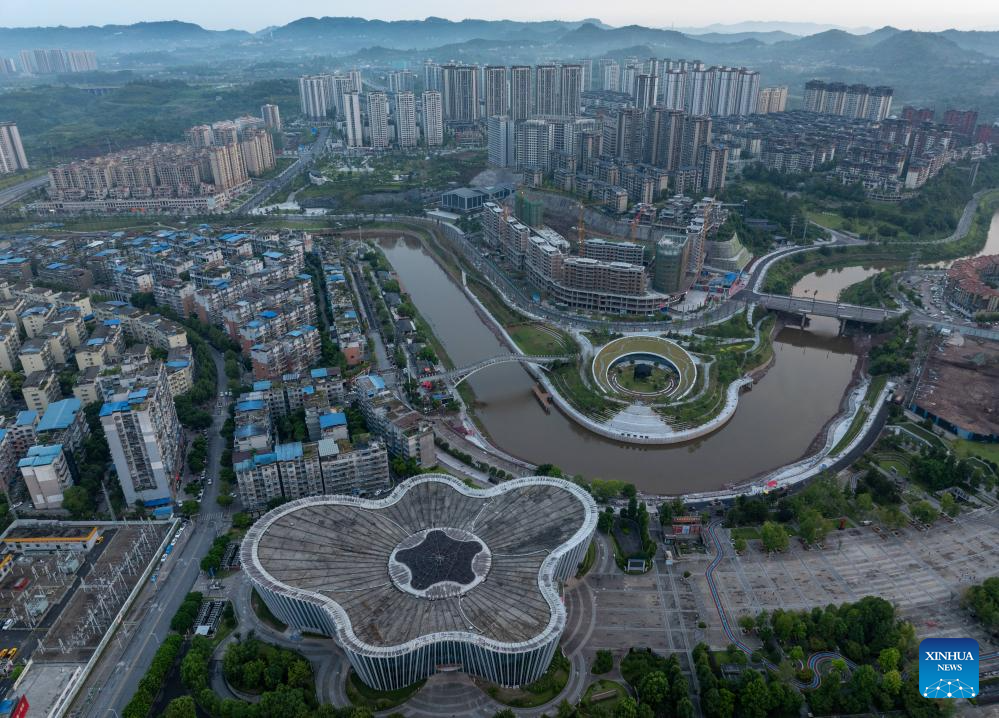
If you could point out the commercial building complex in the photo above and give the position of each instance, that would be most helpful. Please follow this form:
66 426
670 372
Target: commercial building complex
364 572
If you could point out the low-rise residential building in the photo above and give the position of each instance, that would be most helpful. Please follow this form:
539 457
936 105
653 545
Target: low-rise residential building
10 346
40 389
36 355
292 353
63 422
46 474
406 433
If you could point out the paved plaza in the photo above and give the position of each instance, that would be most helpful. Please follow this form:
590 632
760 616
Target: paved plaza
923 573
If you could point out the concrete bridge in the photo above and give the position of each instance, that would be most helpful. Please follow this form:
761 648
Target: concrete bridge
462 373
822 308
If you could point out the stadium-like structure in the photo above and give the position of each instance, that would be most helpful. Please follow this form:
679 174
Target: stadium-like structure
435 576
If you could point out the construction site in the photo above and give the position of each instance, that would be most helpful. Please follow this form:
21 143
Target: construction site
64 587
959 387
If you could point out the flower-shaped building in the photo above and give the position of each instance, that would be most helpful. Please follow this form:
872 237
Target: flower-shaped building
436 576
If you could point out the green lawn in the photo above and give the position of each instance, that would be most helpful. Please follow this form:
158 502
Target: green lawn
901 468
365 696
538 340
602 689
965 448
749 533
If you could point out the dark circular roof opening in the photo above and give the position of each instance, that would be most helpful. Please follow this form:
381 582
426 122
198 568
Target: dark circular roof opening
439 558
439 562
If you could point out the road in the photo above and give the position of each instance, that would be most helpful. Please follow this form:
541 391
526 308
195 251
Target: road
163 598
12 194
305 160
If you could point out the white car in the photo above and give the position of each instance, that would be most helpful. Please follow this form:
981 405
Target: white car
8 623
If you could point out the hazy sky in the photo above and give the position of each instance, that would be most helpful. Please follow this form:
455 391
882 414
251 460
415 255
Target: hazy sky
251 15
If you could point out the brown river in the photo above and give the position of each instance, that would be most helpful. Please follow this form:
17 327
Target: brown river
774 424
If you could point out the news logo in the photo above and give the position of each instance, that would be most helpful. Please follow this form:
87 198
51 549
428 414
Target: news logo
948 668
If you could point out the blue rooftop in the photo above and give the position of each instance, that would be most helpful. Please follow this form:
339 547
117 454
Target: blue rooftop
178 363
273 255
250 405
376 381
41 455
262 385
319 373
288 452
59 415
112 407
328 421
26 418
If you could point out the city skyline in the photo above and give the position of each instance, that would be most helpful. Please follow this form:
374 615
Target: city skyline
849 15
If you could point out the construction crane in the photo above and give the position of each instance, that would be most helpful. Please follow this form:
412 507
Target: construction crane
633 232
581 230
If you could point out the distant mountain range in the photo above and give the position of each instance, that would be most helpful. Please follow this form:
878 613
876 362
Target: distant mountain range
345 35
953 66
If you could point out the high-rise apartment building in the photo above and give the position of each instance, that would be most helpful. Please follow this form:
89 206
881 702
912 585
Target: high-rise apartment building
433 118
46 475
496 91
356 84
502 141
461 93
630 133
315 93
401 81
609 73
431 76
673 84
646 91
696 134
748 95
143 434
12 157
772 99
271 115
534 142
698 89
378 127
50 62
663 137
353 129
856 101
405 119
558 90
520 93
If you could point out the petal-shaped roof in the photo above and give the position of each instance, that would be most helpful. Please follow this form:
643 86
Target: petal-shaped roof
334 551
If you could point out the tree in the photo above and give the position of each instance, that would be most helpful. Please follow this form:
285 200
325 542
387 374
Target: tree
948 504
241 520
224 500
77 501
190 507
888 659
812 527
603 662
739 545
924 512
626 708
654 689
774 537
754 697
182 707
891 681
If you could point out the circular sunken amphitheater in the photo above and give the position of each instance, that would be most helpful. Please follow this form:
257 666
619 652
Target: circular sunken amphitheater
654 350
436 576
